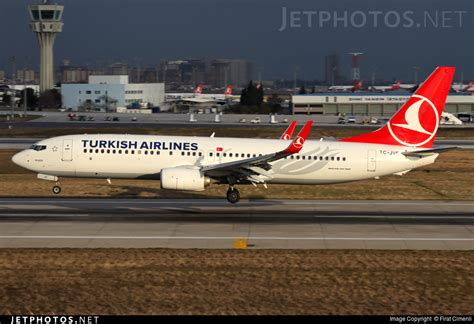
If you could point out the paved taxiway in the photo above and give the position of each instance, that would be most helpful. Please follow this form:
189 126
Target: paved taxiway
203 223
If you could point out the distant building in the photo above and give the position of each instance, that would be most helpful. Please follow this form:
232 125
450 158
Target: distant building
367 104
230 71
119 69
108 92
2 75
182 72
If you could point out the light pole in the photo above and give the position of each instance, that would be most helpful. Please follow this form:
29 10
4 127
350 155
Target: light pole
415 74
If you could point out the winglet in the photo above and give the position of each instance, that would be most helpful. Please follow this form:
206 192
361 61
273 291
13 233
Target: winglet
298 142
289 131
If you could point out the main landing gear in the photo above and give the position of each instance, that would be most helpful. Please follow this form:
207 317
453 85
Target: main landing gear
233 195
56 189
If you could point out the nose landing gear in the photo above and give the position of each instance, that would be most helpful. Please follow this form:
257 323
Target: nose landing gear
233 195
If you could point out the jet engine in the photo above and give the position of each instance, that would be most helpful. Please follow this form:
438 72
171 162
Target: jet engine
183 179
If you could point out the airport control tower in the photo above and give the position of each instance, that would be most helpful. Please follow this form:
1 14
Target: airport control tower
46 23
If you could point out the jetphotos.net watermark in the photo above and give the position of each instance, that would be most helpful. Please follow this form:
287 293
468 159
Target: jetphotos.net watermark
293 19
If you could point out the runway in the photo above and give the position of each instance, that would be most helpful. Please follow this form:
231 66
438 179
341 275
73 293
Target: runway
265 224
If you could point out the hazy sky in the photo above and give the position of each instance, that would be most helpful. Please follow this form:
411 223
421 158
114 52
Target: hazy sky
395 35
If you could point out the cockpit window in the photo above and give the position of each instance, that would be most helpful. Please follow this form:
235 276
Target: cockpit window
38 147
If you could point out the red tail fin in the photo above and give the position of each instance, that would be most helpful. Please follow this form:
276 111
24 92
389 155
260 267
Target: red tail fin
199 89
417 121
228 90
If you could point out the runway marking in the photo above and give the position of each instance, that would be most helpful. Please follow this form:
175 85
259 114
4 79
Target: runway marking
237 237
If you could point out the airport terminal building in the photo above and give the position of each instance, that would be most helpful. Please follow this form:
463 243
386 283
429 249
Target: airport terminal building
109 92
367 104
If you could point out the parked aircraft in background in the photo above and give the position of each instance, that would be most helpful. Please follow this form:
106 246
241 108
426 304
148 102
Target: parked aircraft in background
393 87
355 87
458 87
192 163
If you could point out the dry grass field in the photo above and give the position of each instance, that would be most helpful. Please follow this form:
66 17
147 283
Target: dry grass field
155 281
450 178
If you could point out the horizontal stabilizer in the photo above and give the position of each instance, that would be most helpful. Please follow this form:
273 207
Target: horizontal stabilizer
424 153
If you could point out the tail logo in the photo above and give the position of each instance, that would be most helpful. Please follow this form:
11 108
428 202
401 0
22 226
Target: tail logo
286 137
420 131
299 141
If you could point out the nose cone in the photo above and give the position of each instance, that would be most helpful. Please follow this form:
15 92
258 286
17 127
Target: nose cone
19 159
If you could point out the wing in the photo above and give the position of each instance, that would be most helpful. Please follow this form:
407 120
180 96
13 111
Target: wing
257 169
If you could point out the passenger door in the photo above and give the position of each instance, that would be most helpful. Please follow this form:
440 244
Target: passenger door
67 150
371 160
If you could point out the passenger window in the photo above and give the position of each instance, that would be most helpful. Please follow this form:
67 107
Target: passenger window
210 153
97 150
126 151
85 150
145 152
327 158
332 158
320 158
338 158
343 159
171 152
114 151
120 151
108 151
182 153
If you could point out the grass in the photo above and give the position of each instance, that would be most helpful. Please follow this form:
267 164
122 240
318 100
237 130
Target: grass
166 281
18 118
450 178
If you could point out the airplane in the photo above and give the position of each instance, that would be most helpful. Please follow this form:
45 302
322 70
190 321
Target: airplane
200 97
189 163
463 87
176 96
393 87
356 87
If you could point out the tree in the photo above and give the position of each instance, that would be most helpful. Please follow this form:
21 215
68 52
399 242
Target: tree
31 98
252 95
302 90
6 99
50 99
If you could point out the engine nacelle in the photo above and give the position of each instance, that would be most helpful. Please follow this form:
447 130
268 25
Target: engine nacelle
183 179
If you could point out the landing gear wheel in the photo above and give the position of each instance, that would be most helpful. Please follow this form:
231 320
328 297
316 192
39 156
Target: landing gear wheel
233 195
56 190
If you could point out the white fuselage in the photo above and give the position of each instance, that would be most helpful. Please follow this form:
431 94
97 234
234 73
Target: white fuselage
144 156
